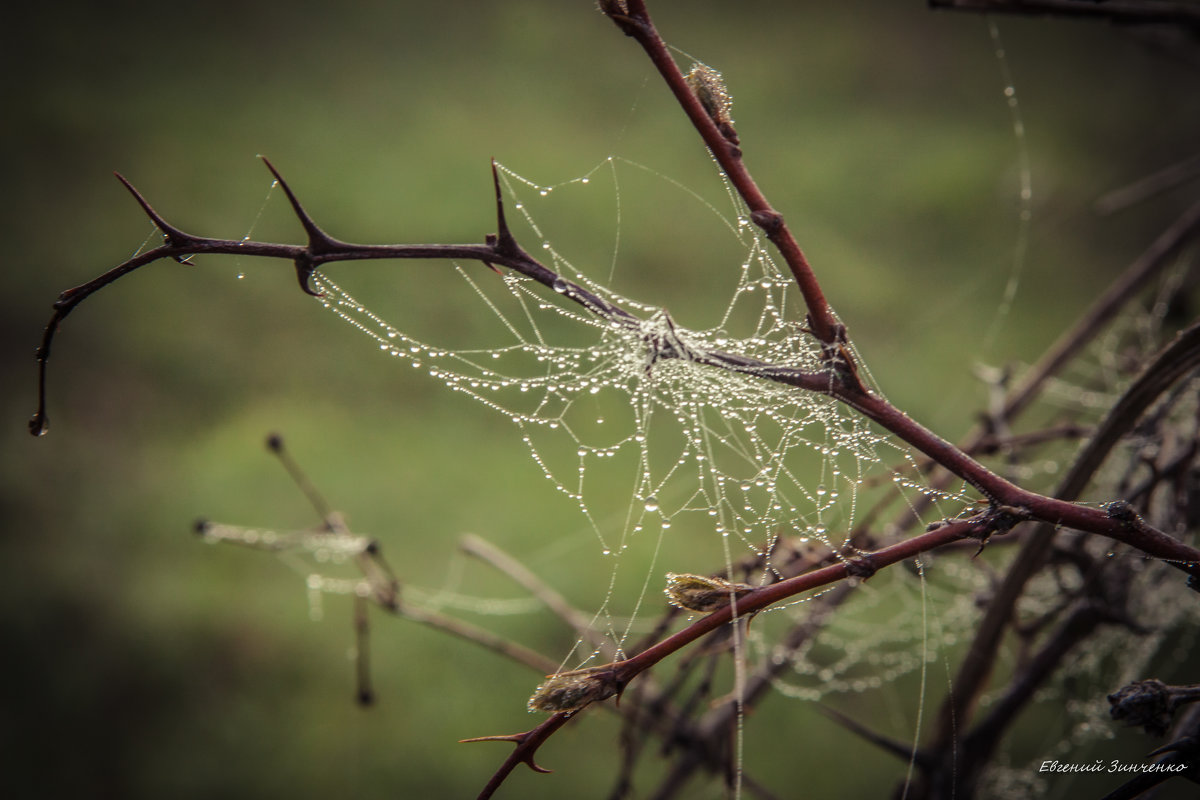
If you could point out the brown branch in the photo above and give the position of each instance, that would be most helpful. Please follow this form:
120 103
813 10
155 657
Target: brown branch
635 21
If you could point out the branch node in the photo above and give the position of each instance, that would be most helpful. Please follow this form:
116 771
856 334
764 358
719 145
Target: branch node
618 12
1123 513
997 518
861 566
769 220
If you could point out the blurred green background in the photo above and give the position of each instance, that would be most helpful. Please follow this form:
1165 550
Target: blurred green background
140 663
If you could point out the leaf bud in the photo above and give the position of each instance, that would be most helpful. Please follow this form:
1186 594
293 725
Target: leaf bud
568 691
709 87
700 593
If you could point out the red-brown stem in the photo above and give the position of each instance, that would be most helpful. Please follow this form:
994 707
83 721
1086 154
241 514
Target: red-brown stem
824 326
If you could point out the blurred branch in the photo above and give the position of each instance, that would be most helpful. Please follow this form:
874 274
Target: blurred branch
1162 181
1122 12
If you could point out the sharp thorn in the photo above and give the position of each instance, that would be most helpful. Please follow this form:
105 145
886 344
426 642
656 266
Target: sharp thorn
304 273
318 240
175 236
505 243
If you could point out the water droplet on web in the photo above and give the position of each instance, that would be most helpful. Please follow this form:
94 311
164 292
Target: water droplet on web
560 285
652 504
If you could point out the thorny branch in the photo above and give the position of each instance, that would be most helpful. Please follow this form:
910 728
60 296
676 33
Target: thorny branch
1007 504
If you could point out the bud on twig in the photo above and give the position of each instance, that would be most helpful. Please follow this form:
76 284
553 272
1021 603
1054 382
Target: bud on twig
569 691
709 87
698 593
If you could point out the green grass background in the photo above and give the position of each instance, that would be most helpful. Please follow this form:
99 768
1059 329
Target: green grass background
140 663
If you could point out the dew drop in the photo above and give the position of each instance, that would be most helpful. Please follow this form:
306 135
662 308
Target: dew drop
652 504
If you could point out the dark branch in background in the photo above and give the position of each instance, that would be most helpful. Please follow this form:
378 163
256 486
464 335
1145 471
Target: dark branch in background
1121 12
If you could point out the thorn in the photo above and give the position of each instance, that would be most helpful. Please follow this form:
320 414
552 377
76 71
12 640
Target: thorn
304 271
517 739
983 542
319 242
504 243
175 237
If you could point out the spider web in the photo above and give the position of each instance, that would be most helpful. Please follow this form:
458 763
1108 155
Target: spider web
703 452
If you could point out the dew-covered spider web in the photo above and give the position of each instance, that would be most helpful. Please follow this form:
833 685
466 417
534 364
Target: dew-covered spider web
704 453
